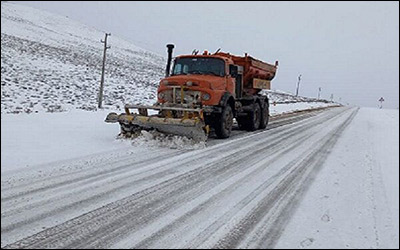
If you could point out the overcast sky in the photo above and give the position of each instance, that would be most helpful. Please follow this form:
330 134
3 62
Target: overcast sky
349 49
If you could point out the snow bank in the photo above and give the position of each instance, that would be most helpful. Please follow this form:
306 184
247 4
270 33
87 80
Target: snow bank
279 96
280 108
31 139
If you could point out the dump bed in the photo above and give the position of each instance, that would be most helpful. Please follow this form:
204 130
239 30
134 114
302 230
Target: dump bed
256 74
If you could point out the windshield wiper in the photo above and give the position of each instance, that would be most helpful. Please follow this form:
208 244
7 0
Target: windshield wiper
180 73
212 73
196 72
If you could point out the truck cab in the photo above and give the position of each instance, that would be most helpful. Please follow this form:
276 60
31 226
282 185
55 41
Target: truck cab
203 79
224 86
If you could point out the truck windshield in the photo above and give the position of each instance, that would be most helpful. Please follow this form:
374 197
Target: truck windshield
199 65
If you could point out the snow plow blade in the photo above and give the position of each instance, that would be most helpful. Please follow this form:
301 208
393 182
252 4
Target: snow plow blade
191 125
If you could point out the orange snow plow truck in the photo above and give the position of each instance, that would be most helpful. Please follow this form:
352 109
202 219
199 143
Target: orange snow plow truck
204 92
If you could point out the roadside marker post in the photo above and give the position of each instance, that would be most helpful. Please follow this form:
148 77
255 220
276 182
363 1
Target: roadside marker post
381 100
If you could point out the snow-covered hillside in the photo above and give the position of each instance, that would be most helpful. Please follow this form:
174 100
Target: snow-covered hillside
51 63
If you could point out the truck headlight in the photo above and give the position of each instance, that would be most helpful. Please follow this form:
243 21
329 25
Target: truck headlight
206 97
161 95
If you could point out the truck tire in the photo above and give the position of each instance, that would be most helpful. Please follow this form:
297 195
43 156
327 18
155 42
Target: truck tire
242 122
254 118
264 116
223 127
252 121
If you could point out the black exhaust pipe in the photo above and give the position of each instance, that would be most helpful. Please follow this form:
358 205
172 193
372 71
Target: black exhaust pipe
170 49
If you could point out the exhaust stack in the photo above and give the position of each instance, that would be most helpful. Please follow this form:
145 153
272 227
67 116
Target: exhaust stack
170 49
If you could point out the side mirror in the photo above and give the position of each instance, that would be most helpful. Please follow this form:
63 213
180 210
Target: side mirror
233 70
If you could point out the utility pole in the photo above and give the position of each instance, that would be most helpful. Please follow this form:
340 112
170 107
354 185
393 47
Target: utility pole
102 69
331 97
319 92
298 85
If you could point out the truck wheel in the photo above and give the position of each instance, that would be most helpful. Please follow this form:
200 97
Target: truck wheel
254 118
264 117
252 121
242 122
223 128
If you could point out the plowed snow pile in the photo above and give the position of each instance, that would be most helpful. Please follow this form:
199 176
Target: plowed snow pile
156 139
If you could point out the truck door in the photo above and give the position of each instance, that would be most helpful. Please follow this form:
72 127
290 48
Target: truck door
239 82
238 86
237 73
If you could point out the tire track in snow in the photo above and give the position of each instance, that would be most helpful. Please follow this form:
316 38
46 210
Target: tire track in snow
121 163
51 188
196 239
46 213
277 206
180 189
275 121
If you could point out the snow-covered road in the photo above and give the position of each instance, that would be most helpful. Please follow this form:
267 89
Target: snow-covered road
235 193
354 200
